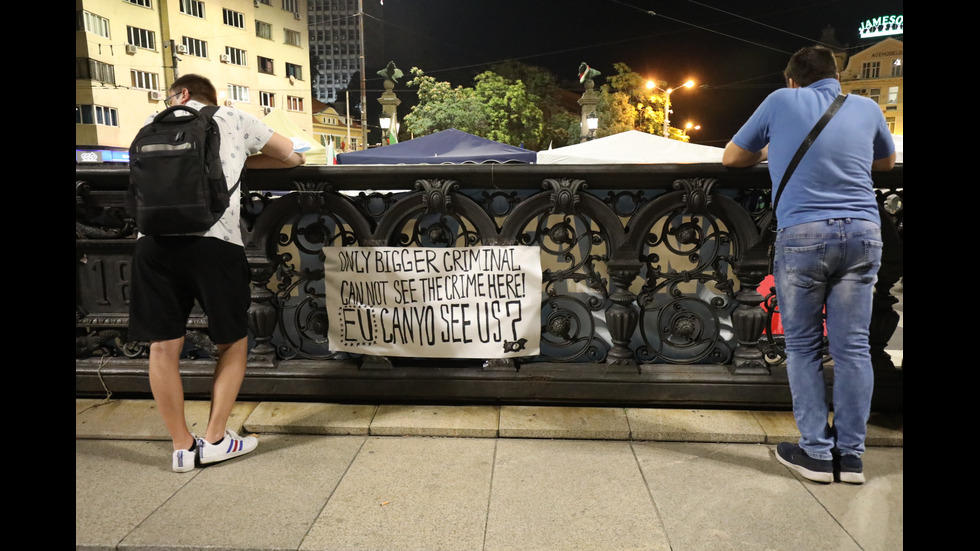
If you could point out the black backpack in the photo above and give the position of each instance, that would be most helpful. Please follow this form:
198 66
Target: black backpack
176 184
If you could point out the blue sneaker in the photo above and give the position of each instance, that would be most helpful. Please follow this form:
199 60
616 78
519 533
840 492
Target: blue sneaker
793 456
851 469
230 446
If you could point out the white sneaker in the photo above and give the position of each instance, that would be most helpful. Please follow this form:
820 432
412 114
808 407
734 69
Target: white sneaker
183 460
230 446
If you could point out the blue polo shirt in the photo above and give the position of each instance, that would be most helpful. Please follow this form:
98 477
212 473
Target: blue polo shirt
834 178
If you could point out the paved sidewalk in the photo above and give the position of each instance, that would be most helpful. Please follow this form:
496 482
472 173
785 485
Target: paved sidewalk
481 478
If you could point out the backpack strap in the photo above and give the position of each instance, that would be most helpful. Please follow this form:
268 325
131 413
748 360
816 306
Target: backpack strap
208 111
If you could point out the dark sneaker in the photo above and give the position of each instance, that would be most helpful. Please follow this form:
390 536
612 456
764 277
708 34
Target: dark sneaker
230 446
851 469
817 470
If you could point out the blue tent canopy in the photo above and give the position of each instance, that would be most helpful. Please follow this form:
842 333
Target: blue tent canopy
446 147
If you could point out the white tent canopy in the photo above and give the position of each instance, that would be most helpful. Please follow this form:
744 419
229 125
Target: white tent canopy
631 147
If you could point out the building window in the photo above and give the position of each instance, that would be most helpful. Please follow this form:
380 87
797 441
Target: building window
91 69
897 68
263 29
144 3
233 18
96 24
195 47
871 69
236 56
141 38
194 8
291 37
892 94
96 114
267 99
144 80
890 121
266 66
294 103
290 5
238 93
295 71
875 94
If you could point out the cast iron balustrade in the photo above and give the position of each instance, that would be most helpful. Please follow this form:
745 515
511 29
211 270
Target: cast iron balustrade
650 285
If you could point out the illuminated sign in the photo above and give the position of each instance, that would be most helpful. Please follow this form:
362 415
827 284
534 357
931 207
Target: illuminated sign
881 26
101 156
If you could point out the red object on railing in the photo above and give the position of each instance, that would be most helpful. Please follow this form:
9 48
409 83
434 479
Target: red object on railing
777 324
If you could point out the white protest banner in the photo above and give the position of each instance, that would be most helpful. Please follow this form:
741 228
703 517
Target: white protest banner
468 302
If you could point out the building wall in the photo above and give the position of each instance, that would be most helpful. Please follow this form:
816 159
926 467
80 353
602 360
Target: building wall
878 72
154 63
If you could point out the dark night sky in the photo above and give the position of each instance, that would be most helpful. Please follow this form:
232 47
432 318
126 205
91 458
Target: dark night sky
735 49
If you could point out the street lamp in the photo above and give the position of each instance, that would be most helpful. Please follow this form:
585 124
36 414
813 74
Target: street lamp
385 121
691 126
592 123
651 85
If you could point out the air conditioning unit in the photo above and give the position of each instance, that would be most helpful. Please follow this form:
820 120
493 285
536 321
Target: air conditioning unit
256 3
156 95
267 110
225 58
296 16
130 49
180 49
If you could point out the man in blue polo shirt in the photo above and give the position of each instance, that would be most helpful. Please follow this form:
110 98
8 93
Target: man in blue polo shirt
828 251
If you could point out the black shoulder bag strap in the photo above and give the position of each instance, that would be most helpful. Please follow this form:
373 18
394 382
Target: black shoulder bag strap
829 114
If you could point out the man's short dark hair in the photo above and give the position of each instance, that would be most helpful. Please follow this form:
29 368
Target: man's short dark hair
199 87
811 64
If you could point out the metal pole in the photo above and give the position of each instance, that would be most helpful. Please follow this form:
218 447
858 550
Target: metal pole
666 112
360 9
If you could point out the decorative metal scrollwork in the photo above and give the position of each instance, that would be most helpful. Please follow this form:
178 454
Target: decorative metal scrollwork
688 296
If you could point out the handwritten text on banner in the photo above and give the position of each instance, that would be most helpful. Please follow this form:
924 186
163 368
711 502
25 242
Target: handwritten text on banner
472 302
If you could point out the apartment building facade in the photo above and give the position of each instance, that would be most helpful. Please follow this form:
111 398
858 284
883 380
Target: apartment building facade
128 52
878 72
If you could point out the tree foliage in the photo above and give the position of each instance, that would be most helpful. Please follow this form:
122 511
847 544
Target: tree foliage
496 108
625 103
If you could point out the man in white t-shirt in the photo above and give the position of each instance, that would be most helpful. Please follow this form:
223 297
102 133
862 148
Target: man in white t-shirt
170 272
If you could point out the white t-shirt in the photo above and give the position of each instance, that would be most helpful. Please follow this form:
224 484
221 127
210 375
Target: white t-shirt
241 135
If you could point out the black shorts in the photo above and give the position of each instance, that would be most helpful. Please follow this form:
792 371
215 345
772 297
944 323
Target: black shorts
170 272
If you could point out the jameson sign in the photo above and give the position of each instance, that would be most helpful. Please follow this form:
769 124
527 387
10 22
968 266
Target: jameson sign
473 302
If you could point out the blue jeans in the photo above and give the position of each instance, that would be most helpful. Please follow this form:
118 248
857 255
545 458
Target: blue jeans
832 264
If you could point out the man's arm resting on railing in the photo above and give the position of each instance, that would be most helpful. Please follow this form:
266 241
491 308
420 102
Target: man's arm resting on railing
277 153
735 156
884 164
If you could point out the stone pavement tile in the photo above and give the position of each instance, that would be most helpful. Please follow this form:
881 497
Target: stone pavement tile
310 418
720 497
118 484
409 494
267 499
570 495
697 425
464 421
779 426
140 420
564 422
873 512
886 429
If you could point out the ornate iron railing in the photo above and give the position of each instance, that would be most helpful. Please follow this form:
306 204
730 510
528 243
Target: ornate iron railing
650 284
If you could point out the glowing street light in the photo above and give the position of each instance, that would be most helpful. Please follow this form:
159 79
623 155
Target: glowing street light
651 85
691 126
